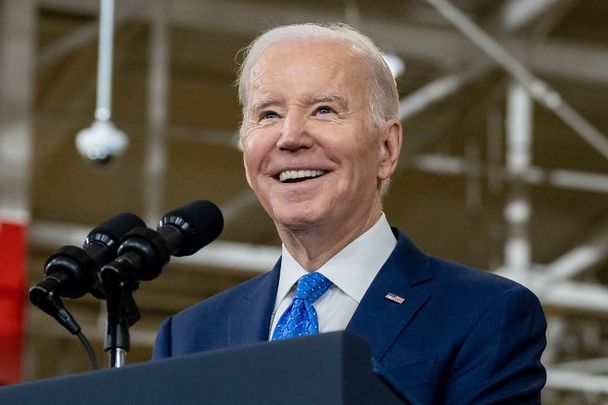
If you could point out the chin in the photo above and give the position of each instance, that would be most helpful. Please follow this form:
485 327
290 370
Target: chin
297 221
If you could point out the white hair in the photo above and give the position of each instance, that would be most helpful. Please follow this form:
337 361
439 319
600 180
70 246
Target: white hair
384 98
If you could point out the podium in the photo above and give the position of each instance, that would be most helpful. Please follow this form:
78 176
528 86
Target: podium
332 368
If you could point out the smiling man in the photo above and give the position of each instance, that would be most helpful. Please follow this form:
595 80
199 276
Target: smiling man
321 139
314 153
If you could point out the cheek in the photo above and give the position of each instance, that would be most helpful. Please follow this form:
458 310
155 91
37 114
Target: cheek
255 153
259 140
250 163
252 150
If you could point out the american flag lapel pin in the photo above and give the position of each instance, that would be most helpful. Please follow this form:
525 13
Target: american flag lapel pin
394 298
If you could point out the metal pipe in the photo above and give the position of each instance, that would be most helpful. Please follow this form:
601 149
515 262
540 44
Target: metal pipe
576 381
103 111
518 208
518 13
438 90
155 162
450 165
580 258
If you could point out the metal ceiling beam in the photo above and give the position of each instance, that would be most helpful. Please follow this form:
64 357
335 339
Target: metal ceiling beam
450 165
517 211
596 365
580 258
74 40
576 60
67 44
576 381
155 161
538 89
572 60
569 295
565 295
518 13
438 90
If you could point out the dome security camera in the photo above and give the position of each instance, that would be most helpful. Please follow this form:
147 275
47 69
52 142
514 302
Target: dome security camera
101 142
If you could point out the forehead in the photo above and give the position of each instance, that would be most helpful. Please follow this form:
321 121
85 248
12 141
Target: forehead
309 63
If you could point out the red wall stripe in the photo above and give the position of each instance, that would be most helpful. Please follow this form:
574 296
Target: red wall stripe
12 300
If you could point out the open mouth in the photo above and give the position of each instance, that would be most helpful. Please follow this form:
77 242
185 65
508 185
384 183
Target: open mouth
296 176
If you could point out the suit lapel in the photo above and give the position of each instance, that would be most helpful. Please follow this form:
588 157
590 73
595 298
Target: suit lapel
249 320
380 320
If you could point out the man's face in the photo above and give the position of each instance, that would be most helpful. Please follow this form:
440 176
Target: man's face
312 154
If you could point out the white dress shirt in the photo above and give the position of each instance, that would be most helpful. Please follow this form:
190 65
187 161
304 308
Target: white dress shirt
351 271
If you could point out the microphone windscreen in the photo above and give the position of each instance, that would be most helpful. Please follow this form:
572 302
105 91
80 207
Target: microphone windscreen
200 221
111 231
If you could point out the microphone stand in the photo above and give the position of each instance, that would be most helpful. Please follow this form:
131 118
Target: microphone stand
141 256
122 313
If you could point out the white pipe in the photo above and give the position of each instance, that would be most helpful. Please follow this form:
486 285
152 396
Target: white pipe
72 41
155 162
103 111
597 365
450 165
518 208
518 13
519 130
577 381
580 258
438 89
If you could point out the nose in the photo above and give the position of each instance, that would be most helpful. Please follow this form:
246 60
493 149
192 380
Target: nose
294 134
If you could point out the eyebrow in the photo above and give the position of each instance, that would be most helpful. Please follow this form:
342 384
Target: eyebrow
330 98
262 104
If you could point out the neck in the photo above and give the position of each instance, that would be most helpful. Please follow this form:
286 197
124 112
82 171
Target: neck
315 245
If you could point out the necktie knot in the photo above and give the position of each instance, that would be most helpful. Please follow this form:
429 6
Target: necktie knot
300 317
311 286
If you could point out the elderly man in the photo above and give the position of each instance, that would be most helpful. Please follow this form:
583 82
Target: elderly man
321 138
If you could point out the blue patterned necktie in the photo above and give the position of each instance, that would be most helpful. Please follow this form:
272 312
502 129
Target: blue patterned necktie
300 317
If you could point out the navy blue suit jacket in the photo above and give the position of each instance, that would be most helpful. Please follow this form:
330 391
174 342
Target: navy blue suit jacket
461 336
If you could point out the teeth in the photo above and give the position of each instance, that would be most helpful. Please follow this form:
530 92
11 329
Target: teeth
299 174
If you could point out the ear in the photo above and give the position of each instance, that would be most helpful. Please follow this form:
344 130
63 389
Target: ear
390 149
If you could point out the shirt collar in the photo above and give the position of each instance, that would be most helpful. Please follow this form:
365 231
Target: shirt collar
352 269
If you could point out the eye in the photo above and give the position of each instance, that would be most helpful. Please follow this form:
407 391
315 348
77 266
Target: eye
324 109
268 115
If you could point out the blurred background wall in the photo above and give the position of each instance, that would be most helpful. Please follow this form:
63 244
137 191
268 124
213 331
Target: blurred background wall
504 167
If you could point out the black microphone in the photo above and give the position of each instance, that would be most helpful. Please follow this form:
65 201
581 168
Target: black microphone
72 272
143 253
